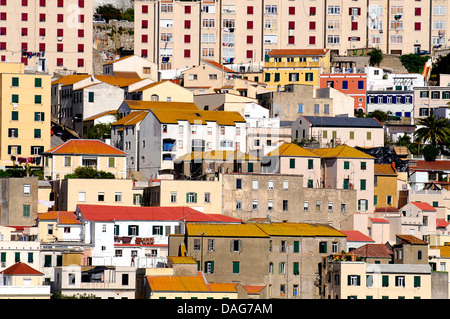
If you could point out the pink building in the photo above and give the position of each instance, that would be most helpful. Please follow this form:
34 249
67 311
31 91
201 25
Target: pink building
352 84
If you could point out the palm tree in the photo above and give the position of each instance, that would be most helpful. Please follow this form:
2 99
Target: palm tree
436 131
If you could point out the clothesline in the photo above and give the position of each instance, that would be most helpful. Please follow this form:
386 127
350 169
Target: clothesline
26 160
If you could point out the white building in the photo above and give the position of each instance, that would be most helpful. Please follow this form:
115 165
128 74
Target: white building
380 80
133 236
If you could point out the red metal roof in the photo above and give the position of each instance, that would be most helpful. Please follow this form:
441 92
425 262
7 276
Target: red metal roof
438 165
356 235
378 220
21 269
424 206
109 213
440 222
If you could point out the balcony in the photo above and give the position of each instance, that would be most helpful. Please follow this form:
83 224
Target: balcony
293 65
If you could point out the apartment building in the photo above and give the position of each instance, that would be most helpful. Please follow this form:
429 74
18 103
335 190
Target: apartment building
407 276
166 134
48 35
296 66
352 84
332 131
25 115
283 257
136 236
67 157
238 32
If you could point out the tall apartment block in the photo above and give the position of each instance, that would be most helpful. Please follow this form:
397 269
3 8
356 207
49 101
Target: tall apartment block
177 34
24 115
47 35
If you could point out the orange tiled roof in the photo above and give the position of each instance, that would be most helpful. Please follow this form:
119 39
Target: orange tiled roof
149 105
424 206
117 80
121 59
85 147
219 66
412 239
71 79
198 117
178 283
20 269
133 118
384 170
62 217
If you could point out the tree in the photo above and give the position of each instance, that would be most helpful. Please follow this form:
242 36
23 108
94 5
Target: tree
433 130
430 152
376 56
379 115
414 63
100 131
90 172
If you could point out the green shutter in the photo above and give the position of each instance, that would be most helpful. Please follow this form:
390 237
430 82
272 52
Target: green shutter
14 116
277 77
3 257
416 281
296 268
17 257
235 267
292 163
48 261
346 165
129 231
15 98
15 82
267 77
363 185
37 99
310 164
250 167
385 281
187 197
296 246
349 280
195 197
91 97
19 150
37 82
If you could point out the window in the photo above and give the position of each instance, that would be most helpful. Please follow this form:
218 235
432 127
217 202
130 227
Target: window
173 197
118 196
416 281
285 205
238 183
362 184
354 280
191 197
26 210
26 190
323 247
209 267
270 185
207 197
346 165
111 162
306 205
255 205
81 196
236 245
400 281
133 230
285 185
101 196
255 184
67 161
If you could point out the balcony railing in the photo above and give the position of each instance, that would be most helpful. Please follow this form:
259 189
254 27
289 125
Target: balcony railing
293 65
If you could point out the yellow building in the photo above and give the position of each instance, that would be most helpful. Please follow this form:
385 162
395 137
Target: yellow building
65 158
296 66
25 115
385 186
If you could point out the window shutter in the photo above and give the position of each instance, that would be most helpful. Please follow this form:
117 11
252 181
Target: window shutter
296 247
187 197
349 280
195 197
358 280
129 230
137 230
19 149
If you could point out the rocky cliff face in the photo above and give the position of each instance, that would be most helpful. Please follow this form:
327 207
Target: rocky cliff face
121 4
